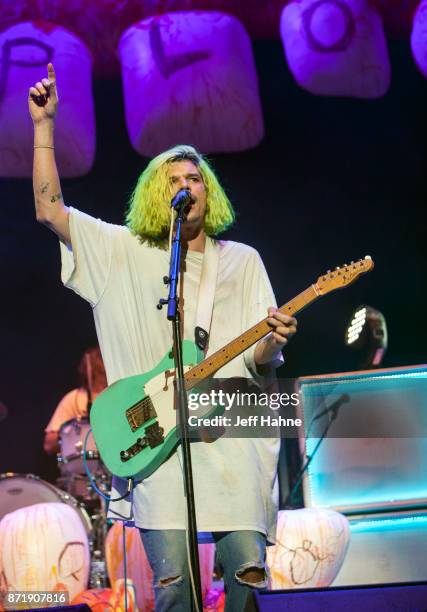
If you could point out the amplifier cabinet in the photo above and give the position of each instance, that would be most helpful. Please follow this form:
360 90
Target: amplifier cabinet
374 456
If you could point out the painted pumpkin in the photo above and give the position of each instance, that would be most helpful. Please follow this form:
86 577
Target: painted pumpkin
310 548
44 547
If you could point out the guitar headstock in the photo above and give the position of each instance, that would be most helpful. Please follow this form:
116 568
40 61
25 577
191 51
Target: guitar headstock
343 276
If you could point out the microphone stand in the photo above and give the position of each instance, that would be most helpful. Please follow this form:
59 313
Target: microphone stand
181 394
89 384
332 412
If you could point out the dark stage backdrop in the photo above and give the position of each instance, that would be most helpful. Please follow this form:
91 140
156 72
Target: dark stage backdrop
333 180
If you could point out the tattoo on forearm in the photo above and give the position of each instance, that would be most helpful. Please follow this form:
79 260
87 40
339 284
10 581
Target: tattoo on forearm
56 197
44 187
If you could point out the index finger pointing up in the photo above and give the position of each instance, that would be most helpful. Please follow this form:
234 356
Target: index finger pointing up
51 72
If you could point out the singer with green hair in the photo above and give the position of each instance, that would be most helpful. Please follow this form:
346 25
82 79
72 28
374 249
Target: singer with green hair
119 271
148 215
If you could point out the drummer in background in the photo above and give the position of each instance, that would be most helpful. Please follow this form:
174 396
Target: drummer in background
76 404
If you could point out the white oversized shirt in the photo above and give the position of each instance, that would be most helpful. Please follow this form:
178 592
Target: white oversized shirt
235 480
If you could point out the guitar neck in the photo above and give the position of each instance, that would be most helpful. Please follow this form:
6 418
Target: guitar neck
217 360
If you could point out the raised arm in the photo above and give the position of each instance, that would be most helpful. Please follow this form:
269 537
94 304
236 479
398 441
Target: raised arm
50 207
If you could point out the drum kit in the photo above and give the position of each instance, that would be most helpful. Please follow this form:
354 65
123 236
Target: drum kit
74 489
57 538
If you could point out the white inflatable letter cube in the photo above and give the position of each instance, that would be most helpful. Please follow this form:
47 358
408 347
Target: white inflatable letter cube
190 77
419 37
336 47
25 50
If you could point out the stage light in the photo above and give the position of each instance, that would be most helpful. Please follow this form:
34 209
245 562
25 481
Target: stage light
367 333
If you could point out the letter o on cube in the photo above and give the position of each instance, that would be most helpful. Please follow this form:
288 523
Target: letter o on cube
190 77
25 50
336 47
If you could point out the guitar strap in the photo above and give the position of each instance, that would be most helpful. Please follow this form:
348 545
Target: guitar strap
207 288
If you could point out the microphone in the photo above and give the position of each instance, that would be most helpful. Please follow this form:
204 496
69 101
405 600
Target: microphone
182 199
334 407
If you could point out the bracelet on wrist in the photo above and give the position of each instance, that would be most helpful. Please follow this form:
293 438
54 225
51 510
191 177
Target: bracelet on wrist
43 147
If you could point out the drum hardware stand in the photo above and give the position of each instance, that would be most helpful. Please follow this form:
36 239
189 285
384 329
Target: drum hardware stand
98 578
89 492
95 507
98 535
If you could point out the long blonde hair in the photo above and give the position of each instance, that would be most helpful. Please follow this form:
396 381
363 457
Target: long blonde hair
148 215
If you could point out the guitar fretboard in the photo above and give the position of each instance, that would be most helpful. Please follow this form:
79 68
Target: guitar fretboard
214 362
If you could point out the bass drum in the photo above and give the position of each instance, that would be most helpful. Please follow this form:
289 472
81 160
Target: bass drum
22 490
44 543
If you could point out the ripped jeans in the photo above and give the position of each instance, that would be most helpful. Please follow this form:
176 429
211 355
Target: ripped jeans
238 552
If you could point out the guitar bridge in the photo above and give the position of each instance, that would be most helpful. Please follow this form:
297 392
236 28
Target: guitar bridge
153 437
140 413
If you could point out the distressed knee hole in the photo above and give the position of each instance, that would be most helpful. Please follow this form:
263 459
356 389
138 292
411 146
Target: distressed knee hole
252 574
164 582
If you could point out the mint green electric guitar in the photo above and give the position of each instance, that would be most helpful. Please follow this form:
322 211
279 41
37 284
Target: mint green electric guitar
134 421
